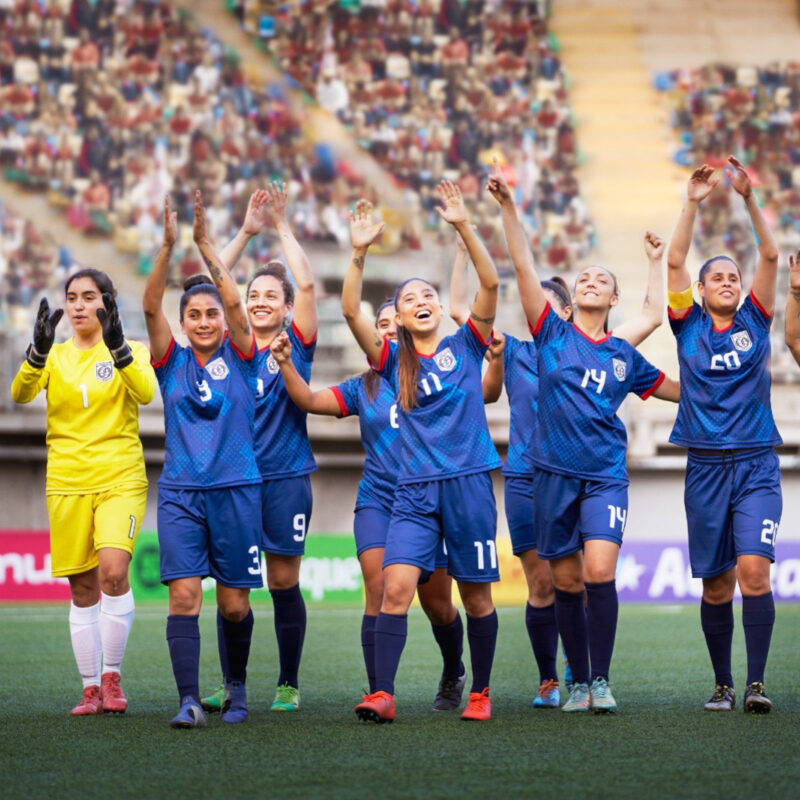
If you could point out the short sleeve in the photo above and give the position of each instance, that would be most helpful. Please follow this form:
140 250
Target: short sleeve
548 326
753 311
165 363
678 325
302 350
646 377
346 394
509 351
474 343
387 361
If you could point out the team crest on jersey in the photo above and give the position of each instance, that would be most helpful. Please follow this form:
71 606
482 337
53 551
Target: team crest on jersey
742 341
272 365
218 369
445 360
104 371
620 369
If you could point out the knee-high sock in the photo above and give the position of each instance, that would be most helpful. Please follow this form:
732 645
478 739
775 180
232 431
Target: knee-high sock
543 633
290 629
221 646
602 610
391 631
717 624
84 630
238 636
450 639
571 619
758 619
183 638
482 636
368 647
116 619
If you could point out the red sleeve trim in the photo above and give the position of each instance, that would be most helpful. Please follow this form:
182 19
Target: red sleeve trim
659 380
299 335
536 328
476 333
242 355
384 355
672 315
340 400
163 360
759 306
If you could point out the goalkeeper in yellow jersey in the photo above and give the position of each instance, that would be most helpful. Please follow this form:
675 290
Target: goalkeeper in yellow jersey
96 481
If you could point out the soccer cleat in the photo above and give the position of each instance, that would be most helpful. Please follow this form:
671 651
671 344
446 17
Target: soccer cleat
234 708
376 707
567 676
723 699
602 700
479 706
91 702
191 715
287 698
214 701
548 696
114 700
450 690
756 700
579 698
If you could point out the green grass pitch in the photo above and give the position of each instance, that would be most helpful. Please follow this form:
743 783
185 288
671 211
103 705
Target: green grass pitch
661 744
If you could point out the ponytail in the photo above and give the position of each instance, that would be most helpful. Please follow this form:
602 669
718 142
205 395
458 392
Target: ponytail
371 381
407 370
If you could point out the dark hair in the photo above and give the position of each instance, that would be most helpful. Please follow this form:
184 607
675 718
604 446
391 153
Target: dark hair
277 270
371 378
559 287
197 284
101 280
707 265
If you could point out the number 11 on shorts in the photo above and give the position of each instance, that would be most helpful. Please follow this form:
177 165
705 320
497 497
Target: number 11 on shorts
489 543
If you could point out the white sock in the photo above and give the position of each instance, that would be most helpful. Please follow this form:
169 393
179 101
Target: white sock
116 619
84 629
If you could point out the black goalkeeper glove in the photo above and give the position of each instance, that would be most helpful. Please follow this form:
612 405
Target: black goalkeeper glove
112 332
44 334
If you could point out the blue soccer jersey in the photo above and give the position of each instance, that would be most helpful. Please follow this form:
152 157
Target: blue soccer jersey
380 436
725 380
282 446
446 435
521 379
209 418
582 383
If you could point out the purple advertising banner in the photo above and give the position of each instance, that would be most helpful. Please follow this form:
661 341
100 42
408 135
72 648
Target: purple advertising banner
659 572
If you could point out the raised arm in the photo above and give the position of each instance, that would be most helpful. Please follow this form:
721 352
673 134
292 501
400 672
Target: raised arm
235 314
530 289
459 304
495 372
254 220
158 330
305 301
793 307
767 269
453 211
321 402
363 232
636 330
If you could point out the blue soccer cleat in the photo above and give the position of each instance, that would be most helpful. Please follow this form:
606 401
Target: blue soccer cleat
548 696
234 707
567 676
191 715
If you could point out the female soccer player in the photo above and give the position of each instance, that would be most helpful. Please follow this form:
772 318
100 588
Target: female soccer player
580 481
444 489
733 492
96 481
283 451
209 501
372 398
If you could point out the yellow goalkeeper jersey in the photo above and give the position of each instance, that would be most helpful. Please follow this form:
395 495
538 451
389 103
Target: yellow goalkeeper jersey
92 416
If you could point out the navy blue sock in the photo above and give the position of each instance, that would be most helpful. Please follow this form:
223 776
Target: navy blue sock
391 631
758 617
237 637
450 639
717 624
290 628
571 620
368 646
543 633
183 639
223 651
602 610
482 636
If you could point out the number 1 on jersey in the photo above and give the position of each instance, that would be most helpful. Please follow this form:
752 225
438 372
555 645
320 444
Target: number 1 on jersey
84 394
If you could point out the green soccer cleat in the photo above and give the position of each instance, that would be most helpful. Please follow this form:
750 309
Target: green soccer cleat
287 698
579 698
214 701
602 700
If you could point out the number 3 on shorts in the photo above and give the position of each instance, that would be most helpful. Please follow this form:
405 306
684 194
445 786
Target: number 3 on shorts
299 524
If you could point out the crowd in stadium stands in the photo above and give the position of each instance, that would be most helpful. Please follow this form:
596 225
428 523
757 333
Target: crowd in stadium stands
437 88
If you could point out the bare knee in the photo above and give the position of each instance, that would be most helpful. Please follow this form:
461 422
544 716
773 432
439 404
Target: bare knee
477 599
114 581
283 572
85 589
719 589
184 599
373 593
234 606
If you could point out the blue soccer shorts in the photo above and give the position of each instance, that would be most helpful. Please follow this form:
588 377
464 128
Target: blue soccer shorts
461 513
733 508
570 511
212 532
370 526
519 513
285 514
